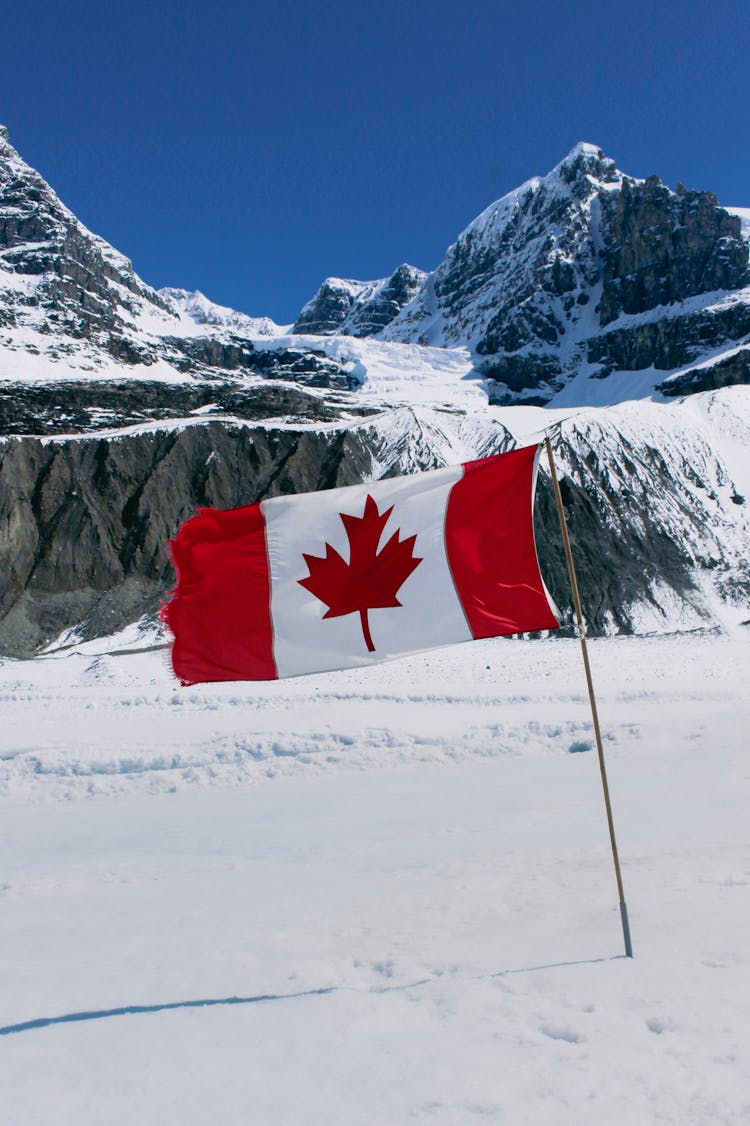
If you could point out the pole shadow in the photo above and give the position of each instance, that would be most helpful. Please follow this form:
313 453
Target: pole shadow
135 1010
551 966
265 998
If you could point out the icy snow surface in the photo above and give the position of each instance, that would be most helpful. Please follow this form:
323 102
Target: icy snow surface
382 896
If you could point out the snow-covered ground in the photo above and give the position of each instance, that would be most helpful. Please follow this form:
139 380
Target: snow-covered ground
382 896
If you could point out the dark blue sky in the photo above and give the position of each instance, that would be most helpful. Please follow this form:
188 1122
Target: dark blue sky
249 150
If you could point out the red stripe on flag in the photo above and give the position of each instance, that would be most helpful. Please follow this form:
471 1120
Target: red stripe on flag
489 536
220 613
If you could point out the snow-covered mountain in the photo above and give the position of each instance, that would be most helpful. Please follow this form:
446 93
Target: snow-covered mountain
73 308
583 286
65 294
588 274
123 407
198 309
355 308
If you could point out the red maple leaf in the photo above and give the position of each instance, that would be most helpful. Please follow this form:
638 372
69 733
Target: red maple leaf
371 579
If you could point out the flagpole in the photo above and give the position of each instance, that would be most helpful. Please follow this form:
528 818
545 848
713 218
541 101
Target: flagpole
581 628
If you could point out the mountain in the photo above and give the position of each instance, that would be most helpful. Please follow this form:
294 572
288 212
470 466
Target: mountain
582 286
64 291
73 309
585 274
656 497
123 407
355 308
200 311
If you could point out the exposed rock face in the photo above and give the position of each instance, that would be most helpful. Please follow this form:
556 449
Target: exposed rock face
359 308
69 302
67 280
326 312
661 247
35 409
672 341
202 357
654 514
734 368
534 283
84 523
386 301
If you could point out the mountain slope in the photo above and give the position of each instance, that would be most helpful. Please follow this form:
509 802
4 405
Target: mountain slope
657 500
588 272
197 308
62 288
359 308
121 408
72 307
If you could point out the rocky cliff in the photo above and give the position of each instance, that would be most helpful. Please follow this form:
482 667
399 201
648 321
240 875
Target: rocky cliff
71 306
588 272
358 308
659 528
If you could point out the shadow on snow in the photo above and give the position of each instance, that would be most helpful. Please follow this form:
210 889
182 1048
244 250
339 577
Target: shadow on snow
261 998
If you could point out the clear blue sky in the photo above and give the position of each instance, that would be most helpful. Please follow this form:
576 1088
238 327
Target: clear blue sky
249 150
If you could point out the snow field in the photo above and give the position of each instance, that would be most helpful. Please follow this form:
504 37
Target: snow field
392 888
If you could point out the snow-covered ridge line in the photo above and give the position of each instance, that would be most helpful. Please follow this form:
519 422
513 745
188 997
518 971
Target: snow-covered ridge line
490 222
535 290
202 312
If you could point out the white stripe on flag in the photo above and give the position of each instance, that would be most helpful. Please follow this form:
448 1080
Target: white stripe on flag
431 613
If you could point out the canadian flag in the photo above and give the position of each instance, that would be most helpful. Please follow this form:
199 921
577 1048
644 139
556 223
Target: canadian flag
351 576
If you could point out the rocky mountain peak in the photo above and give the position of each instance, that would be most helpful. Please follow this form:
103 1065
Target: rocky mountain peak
61 286
356 308
534 283
72 308
585 159
326 312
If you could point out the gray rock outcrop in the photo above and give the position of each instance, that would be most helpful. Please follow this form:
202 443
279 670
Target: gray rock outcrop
83 287
356 308
84 523
587 271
